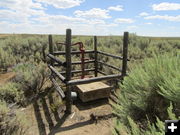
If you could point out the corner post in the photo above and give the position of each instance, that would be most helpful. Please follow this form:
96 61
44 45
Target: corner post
68 71
51 47
95 57
125 53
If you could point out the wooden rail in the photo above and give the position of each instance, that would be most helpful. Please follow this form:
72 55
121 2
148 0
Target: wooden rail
57 87
60 76
101 72
85 62
79 71
108 65
73 63
113 56
95 79
53 58
108 54
73 52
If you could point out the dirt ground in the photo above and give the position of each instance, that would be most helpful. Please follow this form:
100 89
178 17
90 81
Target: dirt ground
46 122
4 77
43 120
80 123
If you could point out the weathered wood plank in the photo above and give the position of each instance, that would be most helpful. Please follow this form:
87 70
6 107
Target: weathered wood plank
51 47
108 65
125 53
95 57
73 52
95 79
68 71
57 87
103 73
79 71
85 62
54 59
60 76
108 54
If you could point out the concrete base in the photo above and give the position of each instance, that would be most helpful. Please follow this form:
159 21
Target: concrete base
93 91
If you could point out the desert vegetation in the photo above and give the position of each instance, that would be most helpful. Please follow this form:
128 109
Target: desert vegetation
148 95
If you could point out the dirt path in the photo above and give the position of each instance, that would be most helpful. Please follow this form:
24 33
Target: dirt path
4 77
82 124
45 122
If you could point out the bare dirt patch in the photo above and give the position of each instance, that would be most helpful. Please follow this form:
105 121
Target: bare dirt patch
5 77
46 122
80 122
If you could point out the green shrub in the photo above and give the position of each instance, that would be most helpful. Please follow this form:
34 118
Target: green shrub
11 93
22 48
12 122
134 128
31 77
148 90
6 59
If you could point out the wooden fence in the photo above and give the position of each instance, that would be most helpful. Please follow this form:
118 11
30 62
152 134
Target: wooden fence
66 76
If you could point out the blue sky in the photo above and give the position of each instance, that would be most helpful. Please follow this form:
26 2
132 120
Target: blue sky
91 17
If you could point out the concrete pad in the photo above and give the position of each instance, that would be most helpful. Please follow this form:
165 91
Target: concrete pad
93 91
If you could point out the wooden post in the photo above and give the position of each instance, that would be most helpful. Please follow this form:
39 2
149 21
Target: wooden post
125 52
95 57
51 47
68 71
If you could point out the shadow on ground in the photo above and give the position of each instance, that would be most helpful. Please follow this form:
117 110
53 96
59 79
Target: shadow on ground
91 104
45 117
50 122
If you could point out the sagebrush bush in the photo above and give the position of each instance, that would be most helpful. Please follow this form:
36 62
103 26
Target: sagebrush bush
134 128
6 59
149 89
11 93
12 122
22 48
31 77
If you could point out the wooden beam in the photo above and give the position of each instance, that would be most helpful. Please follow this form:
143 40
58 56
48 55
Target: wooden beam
108 65
54 59
60 76
79 71
101 72
107 54
95 57
73 63
85 62
95 79
125 53
51 47
68 71
73 52
57 87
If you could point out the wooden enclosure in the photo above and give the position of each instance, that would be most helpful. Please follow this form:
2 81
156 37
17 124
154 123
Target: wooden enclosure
66 76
